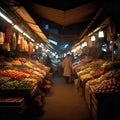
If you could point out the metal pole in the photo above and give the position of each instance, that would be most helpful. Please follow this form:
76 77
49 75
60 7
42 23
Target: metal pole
112 51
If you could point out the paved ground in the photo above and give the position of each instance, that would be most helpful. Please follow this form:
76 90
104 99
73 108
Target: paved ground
64 103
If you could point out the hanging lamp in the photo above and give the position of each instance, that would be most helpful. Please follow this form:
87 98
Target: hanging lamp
93 38
101 34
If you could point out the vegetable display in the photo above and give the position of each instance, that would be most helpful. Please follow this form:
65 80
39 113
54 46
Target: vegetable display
13 74
107 86
16 85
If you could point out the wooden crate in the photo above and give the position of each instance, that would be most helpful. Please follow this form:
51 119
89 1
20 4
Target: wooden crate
87 94
12 103
18 92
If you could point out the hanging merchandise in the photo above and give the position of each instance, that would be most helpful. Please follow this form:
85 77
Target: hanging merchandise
26 46
2 35
101 34
20 42
30 48
6 46
13 44
8 35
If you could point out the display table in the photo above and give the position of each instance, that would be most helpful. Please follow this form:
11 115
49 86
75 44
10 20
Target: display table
105 106
16 99
12 103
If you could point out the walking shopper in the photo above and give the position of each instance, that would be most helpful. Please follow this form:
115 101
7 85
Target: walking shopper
67 68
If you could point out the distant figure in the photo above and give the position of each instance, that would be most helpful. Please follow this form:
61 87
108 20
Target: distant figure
41 59
67 68
49 63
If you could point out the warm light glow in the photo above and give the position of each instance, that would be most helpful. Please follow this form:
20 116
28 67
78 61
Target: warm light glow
93 38
78 47
27 35
17 28
73 50
100 34
84 44
33 50
32 40
6 18
36 47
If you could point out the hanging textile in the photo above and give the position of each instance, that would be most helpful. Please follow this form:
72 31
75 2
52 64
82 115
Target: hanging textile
8 35
13 42
6 46
20 42
2 35
26 46
30 48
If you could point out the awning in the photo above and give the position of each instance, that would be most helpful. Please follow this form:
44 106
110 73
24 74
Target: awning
31 23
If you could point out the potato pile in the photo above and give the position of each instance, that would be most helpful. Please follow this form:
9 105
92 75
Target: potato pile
107 86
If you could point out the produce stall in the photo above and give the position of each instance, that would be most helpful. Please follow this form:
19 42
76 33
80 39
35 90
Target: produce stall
91 70
103 96
100 81
21 83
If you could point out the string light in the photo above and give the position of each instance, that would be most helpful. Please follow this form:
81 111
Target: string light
17 28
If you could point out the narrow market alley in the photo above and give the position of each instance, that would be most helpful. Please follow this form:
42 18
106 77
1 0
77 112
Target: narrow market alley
64 103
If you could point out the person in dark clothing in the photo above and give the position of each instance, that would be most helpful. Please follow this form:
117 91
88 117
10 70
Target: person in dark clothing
48 63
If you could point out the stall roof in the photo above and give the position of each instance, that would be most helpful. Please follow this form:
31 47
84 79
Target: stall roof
30 21
64 21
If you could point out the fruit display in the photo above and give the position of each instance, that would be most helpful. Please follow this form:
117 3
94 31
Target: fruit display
32 80
96 81
85 71
5 67
29 65
112 74
4 79
21 59
27 70
86 77
16 62
40 66
10 85
40 70
97 73
13 74
38 74
80 64
107 86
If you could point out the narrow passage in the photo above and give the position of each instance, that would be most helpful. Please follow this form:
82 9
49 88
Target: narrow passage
64 103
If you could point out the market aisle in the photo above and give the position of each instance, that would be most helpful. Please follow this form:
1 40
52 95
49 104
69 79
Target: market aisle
64 103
